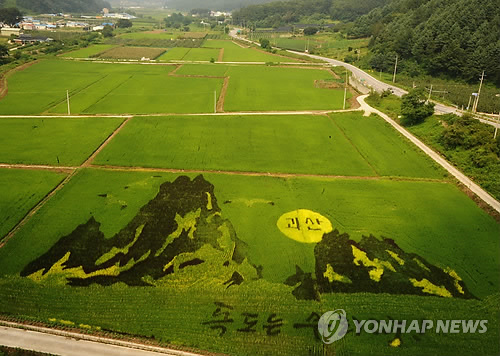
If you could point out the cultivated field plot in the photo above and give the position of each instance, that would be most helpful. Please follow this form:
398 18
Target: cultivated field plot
88 52
279 144
212 70
165 238
267 88
191 54
387 151
64 142
236 53
108 89
132 53
20 190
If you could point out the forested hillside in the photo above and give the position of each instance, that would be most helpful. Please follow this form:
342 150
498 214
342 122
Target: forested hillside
221 5
54 6
282 12
459 38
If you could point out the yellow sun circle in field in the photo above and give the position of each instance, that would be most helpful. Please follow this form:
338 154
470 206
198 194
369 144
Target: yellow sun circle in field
304 225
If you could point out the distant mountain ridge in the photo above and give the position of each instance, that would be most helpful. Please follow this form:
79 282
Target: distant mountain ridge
56 6
278 13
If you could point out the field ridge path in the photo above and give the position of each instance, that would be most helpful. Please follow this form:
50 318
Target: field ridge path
89 160
61 184
37 207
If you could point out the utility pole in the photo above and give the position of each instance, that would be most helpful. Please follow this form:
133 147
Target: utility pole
468 105
395 69
430 93
215 101
474 108
67 99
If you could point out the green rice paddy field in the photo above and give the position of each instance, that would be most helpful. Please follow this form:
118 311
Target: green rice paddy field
64 142
88 52
396 209
281 144
232 233
20 191
104 88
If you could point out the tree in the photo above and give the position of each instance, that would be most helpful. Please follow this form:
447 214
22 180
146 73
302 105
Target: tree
107 31
124 23
4 51
264 43
414 108
309 31
10 16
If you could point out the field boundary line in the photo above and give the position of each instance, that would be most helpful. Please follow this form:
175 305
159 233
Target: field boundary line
4 85
89 160
177 67
222 96
40 167
221 55
353 145
263 174
73 336
461 177
240 45
71 174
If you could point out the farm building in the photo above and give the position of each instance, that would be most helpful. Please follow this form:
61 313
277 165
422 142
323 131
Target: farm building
24 39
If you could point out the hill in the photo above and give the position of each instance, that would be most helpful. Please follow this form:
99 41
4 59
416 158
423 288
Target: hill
458 38
55 6
221 5
281 12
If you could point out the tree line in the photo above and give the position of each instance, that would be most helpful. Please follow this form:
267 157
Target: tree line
457 38
56 6
280 13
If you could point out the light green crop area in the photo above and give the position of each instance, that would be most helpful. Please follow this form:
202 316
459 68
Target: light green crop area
88 51
21 190
106 88
277 88
287 144
53 141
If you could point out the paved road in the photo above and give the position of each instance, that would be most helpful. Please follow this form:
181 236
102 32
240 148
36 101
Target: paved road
374 83
73 344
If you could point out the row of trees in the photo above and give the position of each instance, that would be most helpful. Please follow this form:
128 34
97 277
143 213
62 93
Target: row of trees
279 13
459 38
